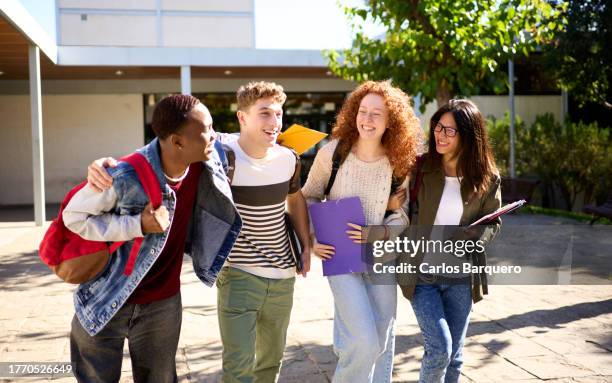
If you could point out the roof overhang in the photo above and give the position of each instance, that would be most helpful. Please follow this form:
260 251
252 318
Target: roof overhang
17 24
204 57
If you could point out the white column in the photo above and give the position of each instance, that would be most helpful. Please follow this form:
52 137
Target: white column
185 79
38 168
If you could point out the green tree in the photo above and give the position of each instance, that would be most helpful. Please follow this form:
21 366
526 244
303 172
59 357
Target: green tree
581 58
442 48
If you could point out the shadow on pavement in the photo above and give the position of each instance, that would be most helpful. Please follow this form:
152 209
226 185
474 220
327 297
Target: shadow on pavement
25 271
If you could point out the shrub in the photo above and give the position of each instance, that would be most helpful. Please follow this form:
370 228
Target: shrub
576 157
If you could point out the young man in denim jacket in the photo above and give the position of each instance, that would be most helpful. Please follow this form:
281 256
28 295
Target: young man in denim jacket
145 307
255 289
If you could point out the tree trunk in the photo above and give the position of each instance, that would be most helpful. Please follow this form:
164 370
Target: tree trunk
443 93
566 195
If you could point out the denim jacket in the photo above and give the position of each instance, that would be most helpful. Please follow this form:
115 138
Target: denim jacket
214 227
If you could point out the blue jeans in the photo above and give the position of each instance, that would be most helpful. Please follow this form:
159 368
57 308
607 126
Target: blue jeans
364 327
443 312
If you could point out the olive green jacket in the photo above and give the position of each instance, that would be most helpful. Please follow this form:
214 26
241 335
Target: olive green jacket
474 207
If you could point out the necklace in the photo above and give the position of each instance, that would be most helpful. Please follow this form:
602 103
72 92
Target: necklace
179 179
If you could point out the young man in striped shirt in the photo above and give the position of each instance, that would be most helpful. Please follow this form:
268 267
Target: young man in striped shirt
255 288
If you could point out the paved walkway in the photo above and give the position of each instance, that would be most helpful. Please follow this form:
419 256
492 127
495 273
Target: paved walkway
517 334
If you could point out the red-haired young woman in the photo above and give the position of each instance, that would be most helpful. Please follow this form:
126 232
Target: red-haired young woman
377 134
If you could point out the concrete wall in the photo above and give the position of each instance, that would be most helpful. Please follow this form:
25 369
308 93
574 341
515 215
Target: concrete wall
207 31
527 107
107 4
77 129
108 30
148 23
174 5
208 5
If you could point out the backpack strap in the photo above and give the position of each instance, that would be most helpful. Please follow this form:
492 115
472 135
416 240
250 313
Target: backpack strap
150 184
395 184
231 164
222 151
146 176
295 245
228 160
337 160
297 161
414 189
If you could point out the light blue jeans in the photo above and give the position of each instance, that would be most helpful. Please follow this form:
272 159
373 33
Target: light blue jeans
364 327
443 312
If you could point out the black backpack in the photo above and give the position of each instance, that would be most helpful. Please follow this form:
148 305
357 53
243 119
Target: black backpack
415 185
337 161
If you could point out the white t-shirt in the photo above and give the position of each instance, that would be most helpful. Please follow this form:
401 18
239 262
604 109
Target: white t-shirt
450 209
449 213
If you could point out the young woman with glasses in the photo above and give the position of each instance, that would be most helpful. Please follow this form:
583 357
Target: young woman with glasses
458 183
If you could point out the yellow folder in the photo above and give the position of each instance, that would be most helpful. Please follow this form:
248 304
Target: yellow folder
300 138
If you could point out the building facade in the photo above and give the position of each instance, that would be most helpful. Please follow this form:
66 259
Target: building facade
105 63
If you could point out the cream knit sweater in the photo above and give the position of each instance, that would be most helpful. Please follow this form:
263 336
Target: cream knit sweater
370 181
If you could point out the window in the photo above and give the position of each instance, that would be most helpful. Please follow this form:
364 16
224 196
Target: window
313 110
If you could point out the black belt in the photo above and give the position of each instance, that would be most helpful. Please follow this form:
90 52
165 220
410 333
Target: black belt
430 279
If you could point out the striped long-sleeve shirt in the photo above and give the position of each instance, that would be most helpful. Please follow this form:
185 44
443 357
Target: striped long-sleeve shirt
260 188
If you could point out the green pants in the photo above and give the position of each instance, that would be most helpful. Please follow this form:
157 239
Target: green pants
254 315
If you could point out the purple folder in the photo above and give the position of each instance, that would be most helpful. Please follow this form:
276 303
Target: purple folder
330 223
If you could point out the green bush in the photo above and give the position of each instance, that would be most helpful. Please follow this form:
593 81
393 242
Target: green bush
499 135
576 157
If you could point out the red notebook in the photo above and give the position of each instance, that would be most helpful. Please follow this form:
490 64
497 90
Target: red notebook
501 211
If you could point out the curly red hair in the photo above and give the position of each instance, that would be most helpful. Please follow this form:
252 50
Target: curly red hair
403 135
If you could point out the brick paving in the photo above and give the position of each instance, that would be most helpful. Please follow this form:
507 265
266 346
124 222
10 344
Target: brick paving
517 334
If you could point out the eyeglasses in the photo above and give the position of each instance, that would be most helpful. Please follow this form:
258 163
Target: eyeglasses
448 131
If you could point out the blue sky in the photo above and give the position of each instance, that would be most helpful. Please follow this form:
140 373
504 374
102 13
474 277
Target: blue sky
42 11
294 24
280 24
299 24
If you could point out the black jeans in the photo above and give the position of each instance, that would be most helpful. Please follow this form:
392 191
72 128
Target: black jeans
153 333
